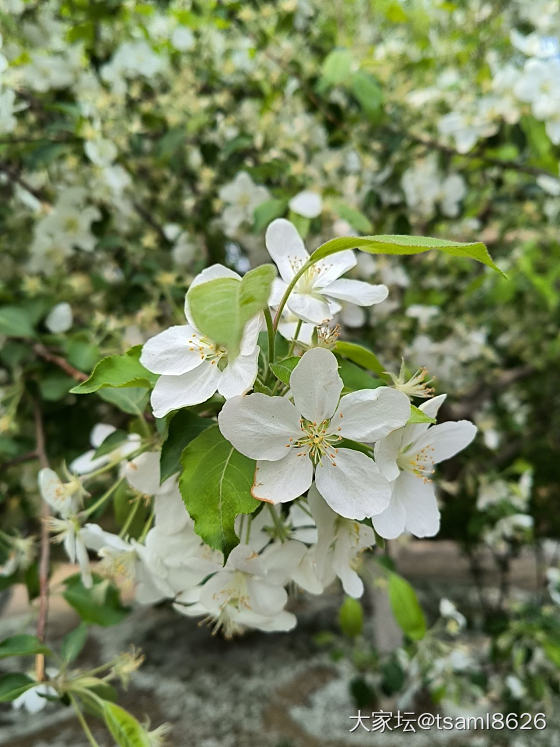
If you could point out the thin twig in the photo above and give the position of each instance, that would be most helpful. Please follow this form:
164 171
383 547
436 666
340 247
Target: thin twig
15 177
62 363
27 457
45 546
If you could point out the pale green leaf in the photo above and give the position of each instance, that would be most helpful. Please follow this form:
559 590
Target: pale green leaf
406 607
117 371
15 322
125 729
360 355
215 484
283 369
419 416
22 645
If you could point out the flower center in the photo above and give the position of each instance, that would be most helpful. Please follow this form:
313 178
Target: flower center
420 463
208 350
317 441
307 281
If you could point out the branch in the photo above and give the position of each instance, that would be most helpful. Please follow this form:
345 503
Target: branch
45 546
15 177
47 355
29 456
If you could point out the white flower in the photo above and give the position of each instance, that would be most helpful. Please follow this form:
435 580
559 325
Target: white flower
241 196
32 700
553 579
8 121
317 294
424 186
63 497
308 204
182 38
291 442
101 152
192 367
466 129
59 318
88 462
539 84
447 609
407 458
339 545
71 535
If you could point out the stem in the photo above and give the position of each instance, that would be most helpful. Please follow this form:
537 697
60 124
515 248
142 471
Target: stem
291 285
83 722
45 547
130 517
271 333
59 361
294 339
103 498
147 527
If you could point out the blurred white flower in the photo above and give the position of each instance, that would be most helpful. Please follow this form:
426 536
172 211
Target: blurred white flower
60 318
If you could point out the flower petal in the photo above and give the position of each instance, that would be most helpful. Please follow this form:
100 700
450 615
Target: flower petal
258 426
192 388
307 203
330 269
419 502
431 408
386 452
313 309
353 486
356 291
316 385
239 375
446 440
99 433
370 414
390 523
174 351
284 244
283 480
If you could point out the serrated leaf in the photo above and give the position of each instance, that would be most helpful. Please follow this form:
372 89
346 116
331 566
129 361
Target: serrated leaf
125 729
222 307
73 643
132 400
15 322
283 369
13 685
22 645
406 607
419 416
183 428
117 371
215 484
385 244
362 356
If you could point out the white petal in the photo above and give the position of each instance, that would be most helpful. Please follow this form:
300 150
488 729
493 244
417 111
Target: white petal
419 502
356 291
142 473
288 330
99 433
386 452
283 480
431 408
51 488
60 318
313 309
370 414
445 440
316 385
192 388
174 351
239 376
278 290
390 523
258 426
352 315
353 486
170 513
284 243
331 268
307 203
87 463
250 336
265 599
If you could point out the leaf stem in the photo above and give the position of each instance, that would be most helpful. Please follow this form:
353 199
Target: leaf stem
291 285
88 511
130 517
271 333
83 722
294 338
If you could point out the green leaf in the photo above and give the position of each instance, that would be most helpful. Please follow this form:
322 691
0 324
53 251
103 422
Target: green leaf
118 371
81 353
13 685
406 608
110 443
73 642
355 377
55 386
419 416
22 645
132 400
356 219
337 66
15 322
368 92
283 369
406 245
267 212
222 307
351 617
362 356
183 428
215 484
126 730
99 605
